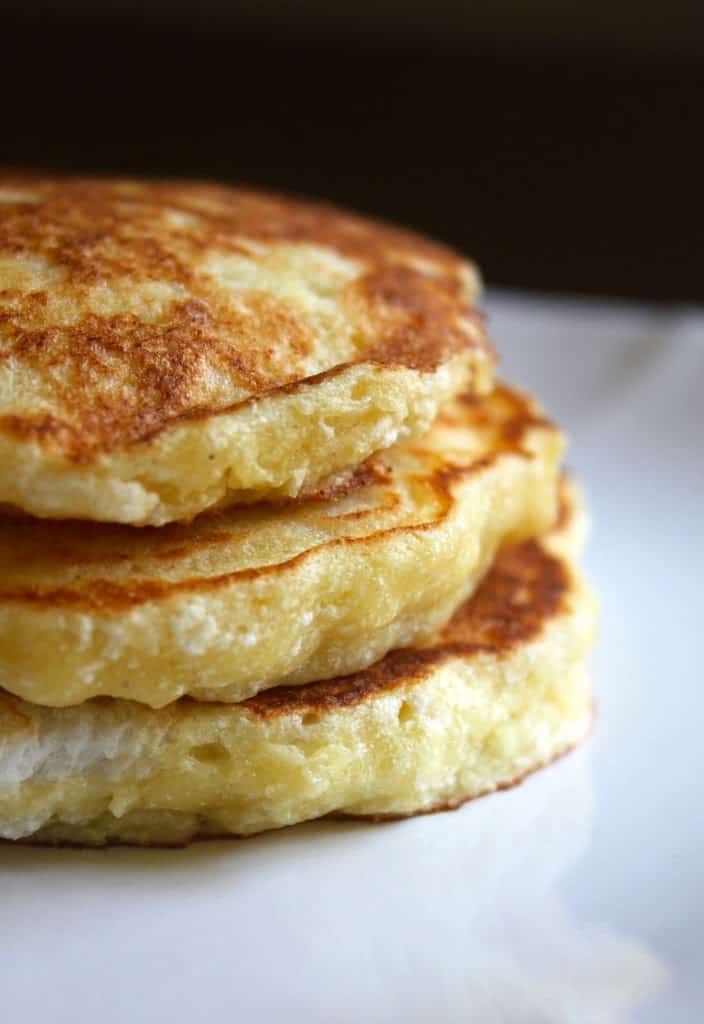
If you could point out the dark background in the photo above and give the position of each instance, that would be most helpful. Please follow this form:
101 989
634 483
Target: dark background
557 143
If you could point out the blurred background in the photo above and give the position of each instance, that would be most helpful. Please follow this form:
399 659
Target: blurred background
558 143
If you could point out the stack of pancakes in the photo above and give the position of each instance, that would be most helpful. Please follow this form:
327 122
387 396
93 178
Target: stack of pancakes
275 544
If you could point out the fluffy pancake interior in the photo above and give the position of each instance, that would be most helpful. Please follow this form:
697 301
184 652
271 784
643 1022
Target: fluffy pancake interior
499 692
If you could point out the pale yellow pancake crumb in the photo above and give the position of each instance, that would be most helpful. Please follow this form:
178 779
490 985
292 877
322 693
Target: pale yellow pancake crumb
499 692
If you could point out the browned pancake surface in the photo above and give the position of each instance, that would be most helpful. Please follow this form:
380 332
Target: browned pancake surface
112 379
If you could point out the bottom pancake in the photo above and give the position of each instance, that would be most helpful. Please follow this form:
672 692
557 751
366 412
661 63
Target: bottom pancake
499 692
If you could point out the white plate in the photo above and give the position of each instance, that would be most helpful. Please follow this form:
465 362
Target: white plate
578 897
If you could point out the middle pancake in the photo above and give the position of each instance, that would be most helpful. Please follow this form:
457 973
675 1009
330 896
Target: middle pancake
250 598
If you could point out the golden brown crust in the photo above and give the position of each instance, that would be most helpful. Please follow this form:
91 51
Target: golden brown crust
91 233
25 541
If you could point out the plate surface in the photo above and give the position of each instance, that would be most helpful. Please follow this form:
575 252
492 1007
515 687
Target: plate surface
577 897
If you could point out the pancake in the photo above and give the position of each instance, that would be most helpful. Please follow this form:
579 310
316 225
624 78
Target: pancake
499 692
170 347
261 596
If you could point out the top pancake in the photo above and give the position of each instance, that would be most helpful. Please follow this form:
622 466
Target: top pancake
168 347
